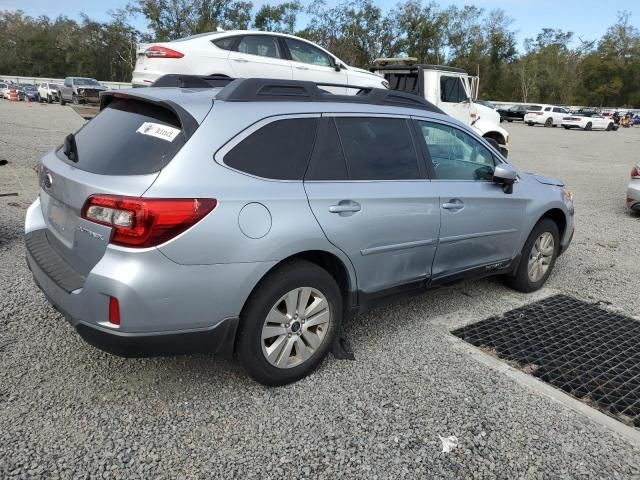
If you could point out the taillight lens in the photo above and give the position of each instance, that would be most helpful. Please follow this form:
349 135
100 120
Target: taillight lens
635 172
114 311
162 52
145 222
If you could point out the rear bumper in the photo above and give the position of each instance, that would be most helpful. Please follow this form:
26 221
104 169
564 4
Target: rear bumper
218 339
165 307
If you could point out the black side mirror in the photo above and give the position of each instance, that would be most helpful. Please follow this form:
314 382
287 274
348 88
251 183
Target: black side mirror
505 175
337 66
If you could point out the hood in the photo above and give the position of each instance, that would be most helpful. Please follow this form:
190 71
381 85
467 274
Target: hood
364 73
547 180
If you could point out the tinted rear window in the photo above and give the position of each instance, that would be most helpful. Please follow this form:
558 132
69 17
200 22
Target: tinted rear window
280 150
378 148
123 140
534 108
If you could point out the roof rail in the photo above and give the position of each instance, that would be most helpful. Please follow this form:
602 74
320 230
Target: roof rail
273 90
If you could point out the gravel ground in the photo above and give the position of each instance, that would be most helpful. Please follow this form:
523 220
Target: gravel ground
69 410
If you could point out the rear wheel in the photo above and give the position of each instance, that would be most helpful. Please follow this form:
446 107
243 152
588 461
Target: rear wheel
530 124
548 122
566 127
538 257
588 126
289 323
62 102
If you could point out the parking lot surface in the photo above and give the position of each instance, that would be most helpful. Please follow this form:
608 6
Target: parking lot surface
69 410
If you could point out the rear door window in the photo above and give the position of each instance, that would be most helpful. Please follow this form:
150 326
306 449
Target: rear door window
260 45
280 150
128 137
378 148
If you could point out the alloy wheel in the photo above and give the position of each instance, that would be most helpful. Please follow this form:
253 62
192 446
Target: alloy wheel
541 256
295 327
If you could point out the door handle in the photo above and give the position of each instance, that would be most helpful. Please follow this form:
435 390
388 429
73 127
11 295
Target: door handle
453 205
302 68
345 208
240 60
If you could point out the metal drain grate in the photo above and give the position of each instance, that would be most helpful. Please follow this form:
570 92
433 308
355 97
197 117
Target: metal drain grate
587 351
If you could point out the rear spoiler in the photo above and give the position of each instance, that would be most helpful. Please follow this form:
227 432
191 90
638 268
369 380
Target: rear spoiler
188 123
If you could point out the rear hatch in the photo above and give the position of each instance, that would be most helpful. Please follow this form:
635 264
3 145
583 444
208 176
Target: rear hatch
120 152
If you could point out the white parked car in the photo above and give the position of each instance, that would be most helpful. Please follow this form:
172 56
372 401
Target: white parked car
48 92
548 115
633 192
4 90
588 121
240 53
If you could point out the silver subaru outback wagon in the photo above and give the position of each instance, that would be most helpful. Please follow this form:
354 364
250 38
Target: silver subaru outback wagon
251 219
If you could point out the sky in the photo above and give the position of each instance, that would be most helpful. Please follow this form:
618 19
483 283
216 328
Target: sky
588 19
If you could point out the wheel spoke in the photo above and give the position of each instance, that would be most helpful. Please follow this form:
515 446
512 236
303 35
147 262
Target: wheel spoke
273 331
318 319
312 339
303 299
276 317
285 354
274 350
318 305
302 350
291 300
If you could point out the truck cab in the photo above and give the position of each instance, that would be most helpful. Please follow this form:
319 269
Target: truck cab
452 89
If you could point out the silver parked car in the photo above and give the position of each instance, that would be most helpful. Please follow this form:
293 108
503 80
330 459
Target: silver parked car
633 192
253 218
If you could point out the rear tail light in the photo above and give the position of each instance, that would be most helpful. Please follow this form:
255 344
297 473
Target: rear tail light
162 52
635 172
114 311
145 222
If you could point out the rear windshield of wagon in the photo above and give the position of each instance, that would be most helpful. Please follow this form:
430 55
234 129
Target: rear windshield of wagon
534 108
128 137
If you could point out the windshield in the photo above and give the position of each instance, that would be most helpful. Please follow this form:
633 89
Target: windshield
85 81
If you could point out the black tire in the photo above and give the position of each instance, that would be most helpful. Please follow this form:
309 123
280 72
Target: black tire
520 279
588 127
566 127
74 100
509 121
283 279
530 124
49 99
62 102
548 122
610 127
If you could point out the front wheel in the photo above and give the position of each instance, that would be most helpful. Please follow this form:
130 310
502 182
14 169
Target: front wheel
289 323
566 127
588 127
62 102
538 257
609 127
530 124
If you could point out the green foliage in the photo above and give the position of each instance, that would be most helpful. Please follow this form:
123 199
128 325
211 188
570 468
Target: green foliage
553 67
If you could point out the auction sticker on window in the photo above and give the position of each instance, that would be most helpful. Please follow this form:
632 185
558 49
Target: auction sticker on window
165 132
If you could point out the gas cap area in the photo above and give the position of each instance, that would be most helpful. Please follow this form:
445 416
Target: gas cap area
254 220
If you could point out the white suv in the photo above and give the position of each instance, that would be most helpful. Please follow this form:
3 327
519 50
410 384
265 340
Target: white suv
48 92
241 54
548 115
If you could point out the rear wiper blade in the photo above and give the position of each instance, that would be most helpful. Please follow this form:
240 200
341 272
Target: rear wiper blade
70 148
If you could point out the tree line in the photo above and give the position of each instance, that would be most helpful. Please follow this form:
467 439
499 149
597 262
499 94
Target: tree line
554 67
